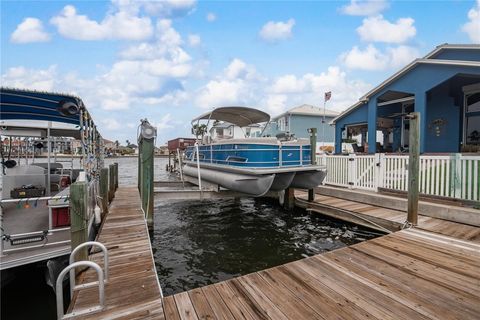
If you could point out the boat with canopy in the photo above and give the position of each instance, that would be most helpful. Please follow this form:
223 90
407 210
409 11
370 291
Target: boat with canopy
35 188
250 165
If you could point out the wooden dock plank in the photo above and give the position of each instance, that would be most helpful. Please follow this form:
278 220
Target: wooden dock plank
376 279
132 291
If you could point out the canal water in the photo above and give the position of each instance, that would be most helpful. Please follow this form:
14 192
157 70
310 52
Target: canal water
196 243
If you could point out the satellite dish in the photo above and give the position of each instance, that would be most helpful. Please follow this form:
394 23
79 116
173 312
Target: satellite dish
147 131
68 108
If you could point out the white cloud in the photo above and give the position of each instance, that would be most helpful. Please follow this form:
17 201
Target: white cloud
194 40
275 103
168 8
274 31
211 17
238 69
377 29
30 30
372 58
472 27
23 78
234 86
217 93
288 84
121 24
364 7
111 124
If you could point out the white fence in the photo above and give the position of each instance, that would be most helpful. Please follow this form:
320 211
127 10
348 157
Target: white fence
455 175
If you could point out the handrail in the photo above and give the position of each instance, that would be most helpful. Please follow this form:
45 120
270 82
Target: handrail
33 199
59 290
73 287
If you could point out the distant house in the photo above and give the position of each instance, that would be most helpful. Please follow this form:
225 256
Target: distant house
226 130
443 86
297 120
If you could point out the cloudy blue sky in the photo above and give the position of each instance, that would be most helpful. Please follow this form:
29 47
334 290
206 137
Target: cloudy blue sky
171 60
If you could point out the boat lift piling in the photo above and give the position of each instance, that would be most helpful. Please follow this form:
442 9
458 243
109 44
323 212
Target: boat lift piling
413 168
146 145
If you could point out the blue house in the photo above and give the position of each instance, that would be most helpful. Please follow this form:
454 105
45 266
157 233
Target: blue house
297 120
444 87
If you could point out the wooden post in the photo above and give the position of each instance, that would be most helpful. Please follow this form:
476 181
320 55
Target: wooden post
116 175
139 175
147 180
289 199
104 190
413 167
145 177
313 157
79 217
111 182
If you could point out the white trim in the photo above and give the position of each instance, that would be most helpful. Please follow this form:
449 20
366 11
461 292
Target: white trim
381 104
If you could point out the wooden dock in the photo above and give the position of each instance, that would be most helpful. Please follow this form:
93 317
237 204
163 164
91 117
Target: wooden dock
410 274
132 291
374 216
431 272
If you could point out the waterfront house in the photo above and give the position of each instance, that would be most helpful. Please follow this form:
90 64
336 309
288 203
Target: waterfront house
443 86
297 120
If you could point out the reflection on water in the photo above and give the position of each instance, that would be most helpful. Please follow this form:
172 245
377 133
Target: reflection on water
196 243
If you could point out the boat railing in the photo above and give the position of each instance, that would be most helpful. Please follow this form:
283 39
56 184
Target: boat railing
50 236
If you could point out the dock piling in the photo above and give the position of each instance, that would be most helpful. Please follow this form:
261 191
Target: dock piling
111 182
78 217
104 190
146 144
413 168
313 157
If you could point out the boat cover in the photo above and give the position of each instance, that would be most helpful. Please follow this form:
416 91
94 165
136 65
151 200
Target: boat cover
17 104
239 116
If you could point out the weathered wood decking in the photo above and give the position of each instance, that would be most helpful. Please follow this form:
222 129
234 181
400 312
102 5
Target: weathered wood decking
391 219
132 291
409 274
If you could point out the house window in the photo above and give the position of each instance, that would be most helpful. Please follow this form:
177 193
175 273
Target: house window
281 124
472 119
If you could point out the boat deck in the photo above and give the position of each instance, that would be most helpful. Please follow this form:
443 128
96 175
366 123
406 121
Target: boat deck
410 274
132 291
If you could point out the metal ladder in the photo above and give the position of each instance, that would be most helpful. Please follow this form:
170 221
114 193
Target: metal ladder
102 279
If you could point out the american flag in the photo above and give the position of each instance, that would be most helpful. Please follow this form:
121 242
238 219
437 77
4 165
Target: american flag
328 95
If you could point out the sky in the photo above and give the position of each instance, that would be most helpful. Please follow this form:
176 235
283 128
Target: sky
169 61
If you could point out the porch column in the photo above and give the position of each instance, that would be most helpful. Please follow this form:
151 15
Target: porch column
338 138
372 126
421 107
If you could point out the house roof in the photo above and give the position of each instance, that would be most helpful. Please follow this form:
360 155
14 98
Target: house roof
428 59
308 110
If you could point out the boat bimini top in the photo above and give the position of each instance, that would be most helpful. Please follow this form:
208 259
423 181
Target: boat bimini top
239 116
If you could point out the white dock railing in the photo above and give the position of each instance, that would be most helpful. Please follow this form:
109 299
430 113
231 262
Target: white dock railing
451 175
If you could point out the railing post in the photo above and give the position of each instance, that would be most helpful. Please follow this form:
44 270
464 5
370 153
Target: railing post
111 182
104 190
352 171
379 170
79 217
313 157
146 139
413 167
